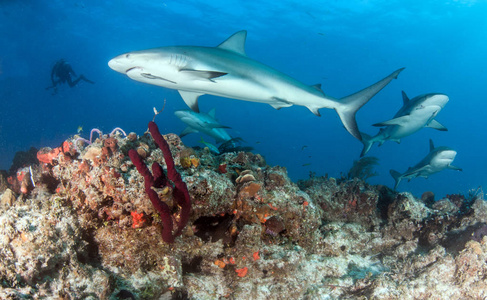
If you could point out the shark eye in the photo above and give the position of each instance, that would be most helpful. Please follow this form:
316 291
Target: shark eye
127 55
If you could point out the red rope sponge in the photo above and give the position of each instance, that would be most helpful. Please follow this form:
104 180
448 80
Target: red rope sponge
158 179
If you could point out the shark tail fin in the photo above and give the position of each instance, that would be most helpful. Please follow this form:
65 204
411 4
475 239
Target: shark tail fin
348 106
397 177
368 141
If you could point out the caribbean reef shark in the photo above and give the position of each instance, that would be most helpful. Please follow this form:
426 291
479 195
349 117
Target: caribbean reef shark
415 114
226 71
205 123
438 159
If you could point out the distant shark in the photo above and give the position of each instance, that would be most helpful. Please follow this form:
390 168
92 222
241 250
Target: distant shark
205 123
415 114
226 71
437 160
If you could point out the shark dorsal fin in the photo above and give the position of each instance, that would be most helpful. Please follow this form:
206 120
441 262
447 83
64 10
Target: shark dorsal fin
235 43
405 98
211 113
432 146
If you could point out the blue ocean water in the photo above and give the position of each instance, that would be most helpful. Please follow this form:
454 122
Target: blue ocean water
344 45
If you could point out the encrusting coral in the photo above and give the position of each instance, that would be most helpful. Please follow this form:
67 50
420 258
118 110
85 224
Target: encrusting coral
88 230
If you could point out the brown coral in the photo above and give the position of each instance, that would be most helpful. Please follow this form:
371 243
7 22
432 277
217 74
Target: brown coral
245 177
111 143
274 226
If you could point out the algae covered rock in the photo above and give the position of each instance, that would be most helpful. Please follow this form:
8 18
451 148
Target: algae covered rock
88 230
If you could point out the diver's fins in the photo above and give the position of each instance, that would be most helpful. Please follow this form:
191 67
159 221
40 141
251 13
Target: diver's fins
86 79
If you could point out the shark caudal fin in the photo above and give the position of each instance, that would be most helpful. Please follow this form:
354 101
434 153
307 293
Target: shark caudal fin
397 177
348 106
368 141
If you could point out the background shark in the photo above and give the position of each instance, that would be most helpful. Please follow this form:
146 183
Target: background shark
202 122
438 159
226 71
415 114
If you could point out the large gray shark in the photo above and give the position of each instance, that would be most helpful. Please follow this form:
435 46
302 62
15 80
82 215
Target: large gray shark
205 123
438 159
415 114
226 71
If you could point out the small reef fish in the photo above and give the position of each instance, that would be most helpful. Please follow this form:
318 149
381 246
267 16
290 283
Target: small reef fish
226 71
202 122
415 114
438 159
80 129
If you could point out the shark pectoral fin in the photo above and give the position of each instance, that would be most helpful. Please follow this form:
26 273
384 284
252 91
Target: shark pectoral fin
280 103
396 121
191 99
455 168
187 131
201 74
436 125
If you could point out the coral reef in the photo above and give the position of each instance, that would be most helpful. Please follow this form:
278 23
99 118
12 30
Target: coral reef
87 230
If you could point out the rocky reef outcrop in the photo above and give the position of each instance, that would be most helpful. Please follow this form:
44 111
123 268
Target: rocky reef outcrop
84 228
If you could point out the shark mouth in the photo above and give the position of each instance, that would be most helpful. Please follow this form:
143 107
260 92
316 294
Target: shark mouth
133 68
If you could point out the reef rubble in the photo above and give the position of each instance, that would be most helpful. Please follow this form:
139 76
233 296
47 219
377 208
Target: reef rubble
82 227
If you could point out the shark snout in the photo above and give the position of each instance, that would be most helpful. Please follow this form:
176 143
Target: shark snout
438 99
182 114
121 63
448 155
115 65
179 113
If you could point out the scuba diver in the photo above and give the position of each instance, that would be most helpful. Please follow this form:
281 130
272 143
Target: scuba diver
61 73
